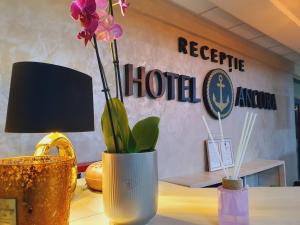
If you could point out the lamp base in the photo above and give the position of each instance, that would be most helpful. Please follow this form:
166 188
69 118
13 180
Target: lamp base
65 148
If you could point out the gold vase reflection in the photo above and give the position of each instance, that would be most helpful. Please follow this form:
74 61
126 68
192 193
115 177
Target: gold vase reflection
35 190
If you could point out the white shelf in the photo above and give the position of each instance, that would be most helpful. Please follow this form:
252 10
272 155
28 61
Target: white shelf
204 179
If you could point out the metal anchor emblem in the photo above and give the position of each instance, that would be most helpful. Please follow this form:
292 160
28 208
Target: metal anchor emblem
221 105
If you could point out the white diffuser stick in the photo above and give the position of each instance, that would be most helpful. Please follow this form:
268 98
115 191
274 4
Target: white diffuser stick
215 146
242 141
246 145
222 136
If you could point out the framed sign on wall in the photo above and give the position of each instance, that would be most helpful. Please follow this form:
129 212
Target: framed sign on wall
225 150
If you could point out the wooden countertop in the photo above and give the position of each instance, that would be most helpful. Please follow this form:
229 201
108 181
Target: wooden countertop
180 205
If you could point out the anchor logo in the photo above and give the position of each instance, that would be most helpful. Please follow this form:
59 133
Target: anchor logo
218 94
221 105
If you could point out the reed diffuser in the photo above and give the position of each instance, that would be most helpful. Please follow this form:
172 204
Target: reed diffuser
233 196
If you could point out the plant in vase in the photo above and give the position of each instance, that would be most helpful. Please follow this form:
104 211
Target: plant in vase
130 179
129 182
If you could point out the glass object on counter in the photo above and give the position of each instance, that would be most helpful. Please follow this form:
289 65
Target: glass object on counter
35 190
233 203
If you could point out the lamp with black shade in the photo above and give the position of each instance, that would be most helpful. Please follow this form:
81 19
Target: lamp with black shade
47 98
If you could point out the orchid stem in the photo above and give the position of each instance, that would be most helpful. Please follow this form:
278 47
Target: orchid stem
106 91
115 56
116 76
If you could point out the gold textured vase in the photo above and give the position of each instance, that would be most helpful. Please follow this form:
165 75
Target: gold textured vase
35 190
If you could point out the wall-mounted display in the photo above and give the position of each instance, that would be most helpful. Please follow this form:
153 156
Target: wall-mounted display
218 93
255 99
165 83
206 53
217 90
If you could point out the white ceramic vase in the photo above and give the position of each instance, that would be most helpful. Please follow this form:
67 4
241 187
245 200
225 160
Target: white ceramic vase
130 187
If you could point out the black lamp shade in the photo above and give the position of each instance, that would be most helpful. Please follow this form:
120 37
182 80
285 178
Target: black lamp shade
49 98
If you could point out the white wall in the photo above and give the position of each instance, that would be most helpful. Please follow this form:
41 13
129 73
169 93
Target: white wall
44 31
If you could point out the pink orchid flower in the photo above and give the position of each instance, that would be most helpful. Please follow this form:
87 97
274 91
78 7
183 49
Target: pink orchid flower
123 6
85 35
107 29
101 4
85 11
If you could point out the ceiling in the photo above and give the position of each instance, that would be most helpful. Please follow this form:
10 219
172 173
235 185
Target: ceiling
272 24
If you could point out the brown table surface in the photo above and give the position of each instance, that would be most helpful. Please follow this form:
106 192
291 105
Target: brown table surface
180 205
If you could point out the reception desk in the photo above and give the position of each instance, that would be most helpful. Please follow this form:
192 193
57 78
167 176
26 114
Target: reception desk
180 205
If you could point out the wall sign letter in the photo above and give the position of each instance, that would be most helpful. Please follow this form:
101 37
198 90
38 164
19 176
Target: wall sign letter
129 80
161 83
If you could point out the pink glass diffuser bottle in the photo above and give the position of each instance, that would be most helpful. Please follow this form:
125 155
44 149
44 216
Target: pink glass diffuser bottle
233 203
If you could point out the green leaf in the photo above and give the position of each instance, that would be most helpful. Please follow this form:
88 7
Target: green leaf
120 122
131 143
145 133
